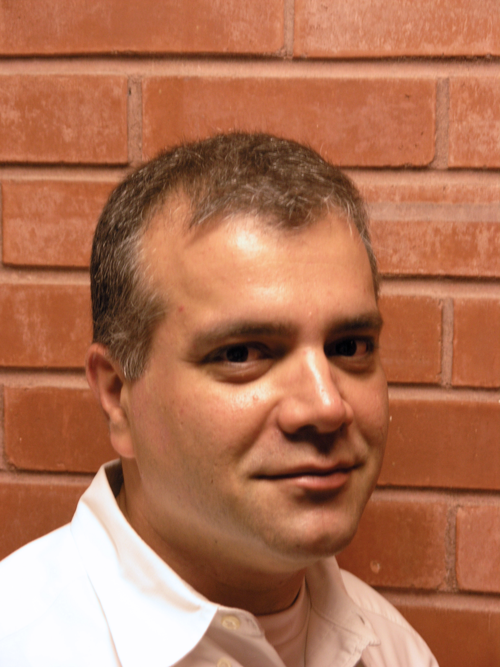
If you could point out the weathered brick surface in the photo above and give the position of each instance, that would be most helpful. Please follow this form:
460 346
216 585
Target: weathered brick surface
364 122
466 636
410 344
474 139
433 187
51 428
440 443
44 325
169 26
31 509
67 119
364 29
476 342
437 248
399 544
478 548
50 223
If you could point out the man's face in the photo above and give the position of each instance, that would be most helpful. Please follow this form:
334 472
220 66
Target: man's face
259 425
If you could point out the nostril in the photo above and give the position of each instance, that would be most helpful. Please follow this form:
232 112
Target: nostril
322 442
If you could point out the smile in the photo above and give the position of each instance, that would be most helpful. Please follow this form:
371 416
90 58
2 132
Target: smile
315 479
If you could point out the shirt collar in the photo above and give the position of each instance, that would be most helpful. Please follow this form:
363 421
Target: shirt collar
142 598
155 617
335 620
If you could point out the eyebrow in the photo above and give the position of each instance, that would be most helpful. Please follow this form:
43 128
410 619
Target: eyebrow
371 321
242 329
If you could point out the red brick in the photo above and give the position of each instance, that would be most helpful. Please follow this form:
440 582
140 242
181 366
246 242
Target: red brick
364 29
440 443
365 122
68 119
467 189
474 133
465 636
44 325
399 544
51 428
410 344
50 223
31 509
437 248
169 26
478 548
476 342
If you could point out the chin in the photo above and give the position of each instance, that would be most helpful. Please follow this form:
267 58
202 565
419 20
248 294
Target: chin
331 545
310 549
333 531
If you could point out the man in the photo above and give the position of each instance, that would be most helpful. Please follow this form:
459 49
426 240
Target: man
235 357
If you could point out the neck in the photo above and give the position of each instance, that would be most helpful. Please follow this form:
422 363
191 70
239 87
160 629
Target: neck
217 579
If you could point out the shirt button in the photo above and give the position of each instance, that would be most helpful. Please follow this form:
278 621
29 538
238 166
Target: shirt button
224 662
230 623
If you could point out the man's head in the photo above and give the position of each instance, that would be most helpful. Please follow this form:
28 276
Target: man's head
280 182
252 425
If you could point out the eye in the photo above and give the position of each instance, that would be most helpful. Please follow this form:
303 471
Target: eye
237 354
240 353
350 347
239 363
347 348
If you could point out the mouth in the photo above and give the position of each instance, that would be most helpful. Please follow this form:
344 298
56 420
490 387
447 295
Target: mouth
315 478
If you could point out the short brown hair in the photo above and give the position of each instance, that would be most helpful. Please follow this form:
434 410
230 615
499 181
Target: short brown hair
280 181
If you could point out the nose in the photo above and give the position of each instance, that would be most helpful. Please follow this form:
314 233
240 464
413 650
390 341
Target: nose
312 397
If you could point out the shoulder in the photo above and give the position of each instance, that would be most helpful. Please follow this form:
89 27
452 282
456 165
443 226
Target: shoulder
400 643
46 597
32 577
370 601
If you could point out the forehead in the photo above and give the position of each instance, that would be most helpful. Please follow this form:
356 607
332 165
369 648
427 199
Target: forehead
243 266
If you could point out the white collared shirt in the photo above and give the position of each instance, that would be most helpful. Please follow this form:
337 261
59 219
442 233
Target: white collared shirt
94 594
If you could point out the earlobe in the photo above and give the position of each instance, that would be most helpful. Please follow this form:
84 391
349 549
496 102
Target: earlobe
106 380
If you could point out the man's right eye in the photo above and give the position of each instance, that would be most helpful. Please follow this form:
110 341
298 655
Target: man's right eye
239 362
241 353
237 354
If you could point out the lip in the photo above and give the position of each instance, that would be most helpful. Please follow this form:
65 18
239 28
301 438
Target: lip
315 478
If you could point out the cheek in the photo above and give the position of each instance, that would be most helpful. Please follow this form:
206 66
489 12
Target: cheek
229 416
372 412
156 421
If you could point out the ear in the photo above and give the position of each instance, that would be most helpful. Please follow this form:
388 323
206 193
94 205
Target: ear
107 381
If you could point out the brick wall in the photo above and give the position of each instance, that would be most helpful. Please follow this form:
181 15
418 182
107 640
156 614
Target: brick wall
406 96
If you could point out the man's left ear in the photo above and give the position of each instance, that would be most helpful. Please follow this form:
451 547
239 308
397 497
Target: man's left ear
107 381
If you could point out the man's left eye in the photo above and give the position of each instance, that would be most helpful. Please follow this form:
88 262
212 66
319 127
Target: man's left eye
351 347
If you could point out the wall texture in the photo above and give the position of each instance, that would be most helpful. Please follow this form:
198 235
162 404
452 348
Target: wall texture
406 96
